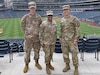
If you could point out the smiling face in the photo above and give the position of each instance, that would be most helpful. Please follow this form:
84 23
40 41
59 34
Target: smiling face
32 10
50 18
32 7
66 12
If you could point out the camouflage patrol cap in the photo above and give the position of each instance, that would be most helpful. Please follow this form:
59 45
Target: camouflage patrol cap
49 12
66 7
32 4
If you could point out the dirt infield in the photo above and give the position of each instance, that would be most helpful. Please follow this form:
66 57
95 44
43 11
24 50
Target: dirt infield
1 31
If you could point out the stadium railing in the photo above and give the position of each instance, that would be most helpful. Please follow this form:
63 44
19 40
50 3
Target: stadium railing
4 49
81 47
90 45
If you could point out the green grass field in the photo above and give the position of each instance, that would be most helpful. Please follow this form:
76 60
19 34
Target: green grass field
11 28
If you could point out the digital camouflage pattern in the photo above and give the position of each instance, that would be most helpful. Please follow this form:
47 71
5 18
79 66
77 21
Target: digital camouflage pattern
70 28
48 32
48 35
70 32
30 25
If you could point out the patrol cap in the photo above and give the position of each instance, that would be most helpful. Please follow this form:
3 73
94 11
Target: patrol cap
32 4
66 7
49 12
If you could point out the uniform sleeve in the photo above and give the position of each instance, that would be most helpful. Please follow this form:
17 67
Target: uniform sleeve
61 29
56 29
77 29
23 23
40 20
41 31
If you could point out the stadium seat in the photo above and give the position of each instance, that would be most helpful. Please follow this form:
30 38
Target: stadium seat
58 47
81 47
98 50
4 49
14 47
21 48
92 45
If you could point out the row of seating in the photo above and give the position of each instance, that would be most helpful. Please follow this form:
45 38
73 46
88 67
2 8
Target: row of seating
84 45
89 45
7 48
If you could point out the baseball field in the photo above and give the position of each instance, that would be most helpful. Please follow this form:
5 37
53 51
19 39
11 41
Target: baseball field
11 28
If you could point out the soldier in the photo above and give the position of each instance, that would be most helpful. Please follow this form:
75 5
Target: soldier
48 39
70 33
30 24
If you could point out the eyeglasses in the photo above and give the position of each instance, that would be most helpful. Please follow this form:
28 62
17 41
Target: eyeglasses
50 15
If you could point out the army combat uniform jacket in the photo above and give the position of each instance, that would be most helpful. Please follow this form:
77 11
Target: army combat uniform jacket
48 32
70 28
70 32
30 25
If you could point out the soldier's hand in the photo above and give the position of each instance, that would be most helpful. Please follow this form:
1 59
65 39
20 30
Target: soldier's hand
75 42
60 40
42 45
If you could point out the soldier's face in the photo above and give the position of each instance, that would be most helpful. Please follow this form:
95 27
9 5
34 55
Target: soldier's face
32 10
66 12
50 17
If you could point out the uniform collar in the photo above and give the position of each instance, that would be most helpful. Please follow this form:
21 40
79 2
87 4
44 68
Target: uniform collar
68 17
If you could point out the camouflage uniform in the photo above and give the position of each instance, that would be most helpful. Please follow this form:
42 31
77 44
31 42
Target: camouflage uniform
30 25
48 38
69 33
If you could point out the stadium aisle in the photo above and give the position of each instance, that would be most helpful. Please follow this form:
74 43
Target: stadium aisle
90 66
